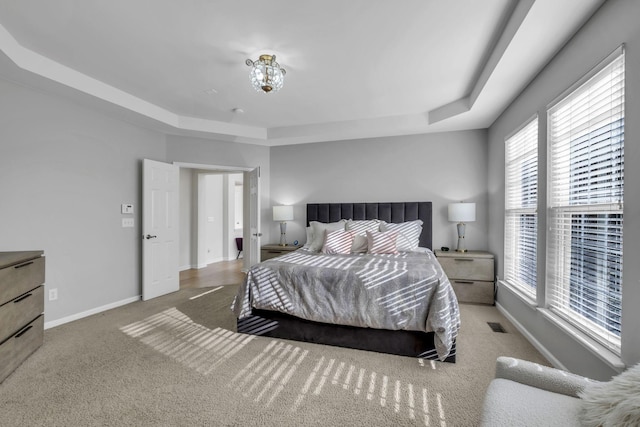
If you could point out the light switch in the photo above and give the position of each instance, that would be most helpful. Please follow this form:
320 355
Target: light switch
126 209
210 219
127 222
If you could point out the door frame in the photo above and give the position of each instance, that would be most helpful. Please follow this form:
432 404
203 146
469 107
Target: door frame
247 250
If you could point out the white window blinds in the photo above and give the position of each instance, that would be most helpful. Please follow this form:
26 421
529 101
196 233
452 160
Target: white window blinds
585 196
521 203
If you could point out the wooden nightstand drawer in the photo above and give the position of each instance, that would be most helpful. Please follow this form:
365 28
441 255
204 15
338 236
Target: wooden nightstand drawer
473 291
470 274
467 268
272 251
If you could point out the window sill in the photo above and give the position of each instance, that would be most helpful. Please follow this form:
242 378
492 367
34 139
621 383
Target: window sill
591 345
521 295
603 353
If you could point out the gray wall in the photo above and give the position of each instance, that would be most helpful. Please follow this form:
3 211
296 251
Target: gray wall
65 169
64 172
440 167
615 23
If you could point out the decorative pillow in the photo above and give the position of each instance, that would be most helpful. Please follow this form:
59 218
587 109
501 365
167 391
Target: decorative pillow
613 403
338 242
309 238
360 228
382 242
408 233
318 229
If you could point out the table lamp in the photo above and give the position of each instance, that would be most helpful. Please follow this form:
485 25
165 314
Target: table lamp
462 213
283 214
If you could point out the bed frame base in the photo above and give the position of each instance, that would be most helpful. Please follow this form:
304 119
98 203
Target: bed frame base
284 326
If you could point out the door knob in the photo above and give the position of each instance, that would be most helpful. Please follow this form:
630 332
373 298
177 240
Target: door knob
149 236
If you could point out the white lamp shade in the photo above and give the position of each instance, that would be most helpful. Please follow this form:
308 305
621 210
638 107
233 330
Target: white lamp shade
283 213
462 212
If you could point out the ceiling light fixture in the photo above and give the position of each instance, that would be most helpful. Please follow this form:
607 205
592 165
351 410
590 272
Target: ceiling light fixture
266 74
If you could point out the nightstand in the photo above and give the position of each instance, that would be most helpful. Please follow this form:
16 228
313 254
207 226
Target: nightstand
274 250
470 274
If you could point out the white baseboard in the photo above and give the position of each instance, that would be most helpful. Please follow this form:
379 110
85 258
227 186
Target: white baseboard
96 310
534 342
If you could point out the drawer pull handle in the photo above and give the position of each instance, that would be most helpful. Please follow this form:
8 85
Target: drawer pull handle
22 298
463 259
24 331
24 265
467 282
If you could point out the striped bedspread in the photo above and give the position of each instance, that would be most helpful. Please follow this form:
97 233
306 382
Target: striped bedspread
405 291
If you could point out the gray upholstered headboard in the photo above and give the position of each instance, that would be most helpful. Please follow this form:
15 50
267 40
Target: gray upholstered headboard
389 212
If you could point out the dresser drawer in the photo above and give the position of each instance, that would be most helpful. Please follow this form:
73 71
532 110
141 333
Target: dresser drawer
467 268
22 310
474 291
20 345
19 279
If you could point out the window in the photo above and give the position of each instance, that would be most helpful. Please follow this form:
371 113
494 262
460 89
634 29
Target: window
585 201
521 204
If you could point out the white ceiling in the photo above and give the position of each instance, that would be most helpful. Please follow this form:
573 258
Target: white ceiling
355 69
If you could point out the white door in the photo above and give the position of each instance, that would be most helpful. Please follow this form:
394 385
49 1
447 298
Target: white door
253 255
160 229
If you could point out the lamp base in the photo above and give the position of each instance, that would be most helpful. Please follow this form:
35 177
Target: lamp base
283 234
461 245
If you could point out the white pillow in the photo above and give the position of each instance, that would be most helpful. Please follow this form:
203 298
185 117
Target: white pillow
318 229
408 233
360 228
382 242
613 403
338 242
309 238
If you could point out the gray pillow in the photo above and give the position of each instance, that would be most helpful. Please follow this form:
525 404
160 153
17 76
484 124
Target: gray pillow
318 232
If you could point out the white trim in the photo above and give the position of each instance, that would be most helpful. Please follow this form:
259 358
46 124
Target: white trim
534 342
229 169
77 316
583 339
519 293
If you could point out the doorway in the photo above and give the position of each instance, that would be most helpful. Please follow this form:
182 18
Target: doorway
211 216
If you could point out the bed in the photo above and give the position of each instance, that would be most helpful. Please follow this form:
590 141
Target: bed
399 303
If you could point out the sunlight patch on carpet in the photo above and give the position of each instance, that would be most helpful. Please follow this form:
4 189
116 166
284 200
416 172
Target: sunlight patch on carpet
396 395
281 365
174 334
269 371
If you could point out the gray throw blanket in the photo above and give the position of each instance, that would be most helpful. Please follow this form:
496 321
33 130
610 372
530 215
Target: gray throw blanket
407 291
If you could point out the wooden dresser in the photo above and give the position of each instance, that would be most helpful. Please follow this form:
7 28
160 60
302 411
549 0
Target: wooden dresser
21 307
470 274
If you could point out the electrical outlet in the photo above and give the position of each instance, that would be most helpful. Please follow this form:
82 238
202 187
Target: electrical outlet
53 294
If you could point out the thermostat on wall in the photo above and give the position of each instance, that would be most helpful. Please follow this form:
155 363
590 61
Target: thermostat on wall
127 209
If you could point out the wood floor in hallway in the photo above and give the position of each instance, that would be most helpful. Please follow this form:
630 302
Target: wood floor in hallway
216 274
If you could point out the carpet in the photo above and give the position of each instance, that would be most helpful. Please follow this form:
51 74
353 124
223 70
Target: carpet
176 361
